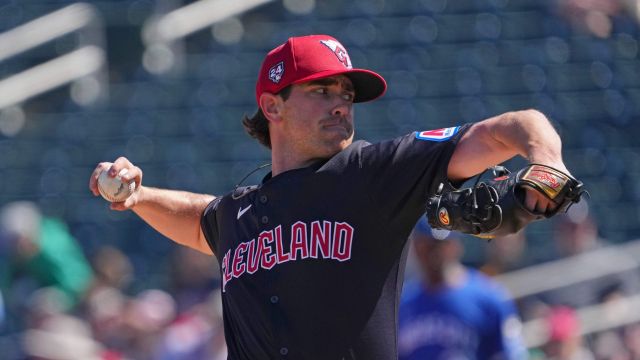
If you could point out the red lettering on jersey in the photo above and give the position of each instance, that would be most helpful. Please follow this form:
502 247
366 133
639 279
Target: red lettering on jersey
239 265
283 257
268 256
299 241
268 249
342 240
321 239
226 273
253 256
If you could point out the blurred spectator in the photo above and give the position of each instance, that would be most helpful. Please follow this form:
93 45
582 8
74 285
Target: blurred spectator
112 267
576 234
504 253
591 16
563 334
196 334
39 251
454 312
632 340
608 345
144 319
193 276
62 337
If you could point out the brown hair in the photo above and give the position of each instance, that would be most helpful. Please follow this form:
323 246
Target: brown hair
257 126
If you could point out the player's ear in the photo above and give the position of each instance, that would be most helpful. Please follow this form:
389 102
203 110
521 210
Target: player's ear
271 106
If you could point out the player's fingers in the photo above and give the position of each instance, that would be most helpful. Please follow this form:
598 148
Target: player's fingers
130 201
133 173
530 201
93 179
537 202
118 165
119 206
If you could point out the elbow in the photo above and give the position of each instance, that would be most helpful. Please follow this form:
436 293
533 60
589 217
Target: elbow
528 115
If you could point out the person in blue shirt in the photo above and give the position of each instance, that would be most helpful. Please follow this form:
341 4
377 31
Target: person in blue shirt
454 312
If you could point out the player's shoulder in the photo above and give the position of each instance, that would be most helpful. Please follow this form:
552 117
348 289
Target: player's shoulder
421 139
242 191
237 194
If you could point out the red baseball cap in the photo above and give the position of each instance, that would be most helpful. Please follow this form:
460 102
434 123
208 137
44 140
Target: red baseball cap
307 58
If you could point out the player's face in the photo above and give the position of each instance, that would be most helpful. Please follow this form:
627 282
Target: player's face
319 116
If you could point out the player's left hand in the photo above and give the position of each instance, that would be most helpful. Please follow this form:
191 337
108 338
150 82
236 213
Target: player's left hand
507 203
537 202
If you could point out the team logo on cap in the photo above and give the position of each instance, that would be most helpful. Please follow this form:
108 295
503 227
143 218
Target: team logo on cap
276 72
339 51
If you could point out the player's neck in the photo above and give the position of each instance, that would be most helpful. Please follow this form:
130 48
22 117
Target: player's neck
280 164
285 159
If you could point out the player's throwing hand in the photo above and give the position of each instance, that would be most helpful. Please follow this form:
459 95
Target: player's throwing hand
132 173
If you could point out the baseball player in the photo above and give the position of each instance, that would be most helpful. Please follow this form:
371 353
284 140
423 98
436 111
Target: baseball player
452 311
312 256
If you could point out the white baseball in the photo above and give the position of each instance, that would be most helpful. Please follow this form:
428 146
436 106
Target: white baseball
114 189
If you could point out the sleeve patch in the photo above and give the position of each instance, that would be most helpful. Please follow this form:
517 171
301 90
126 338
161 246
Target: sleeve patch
438 134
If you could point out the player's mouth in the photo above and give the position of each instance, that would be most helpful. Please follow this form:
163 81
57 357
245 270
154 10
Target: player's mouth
338 124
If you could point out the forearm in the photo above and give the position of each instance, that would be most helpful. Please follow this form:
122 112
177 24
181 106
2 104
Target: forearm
175 214
528 133
490 142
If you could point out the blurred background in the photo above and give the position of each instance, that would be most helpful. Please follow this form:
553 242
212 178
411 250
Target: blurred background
165 84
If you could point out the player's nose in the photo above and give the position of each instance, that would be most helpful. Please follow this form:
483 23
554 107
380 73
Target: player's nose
341 108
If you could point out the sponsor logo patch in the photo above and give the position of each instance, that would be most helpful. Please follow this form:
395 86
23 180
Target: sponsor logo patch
276 72
438 134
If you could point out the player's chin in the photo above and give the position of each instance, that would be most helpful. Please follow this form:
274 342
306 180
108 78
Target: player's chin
342 140
335 145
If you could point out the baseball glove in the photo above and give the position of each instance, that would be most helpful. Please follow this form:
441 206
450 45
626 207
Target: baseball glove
496 207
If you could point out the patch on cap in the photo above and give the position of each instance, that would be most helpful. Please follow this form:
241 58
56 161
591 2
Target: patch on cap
339 52
276 72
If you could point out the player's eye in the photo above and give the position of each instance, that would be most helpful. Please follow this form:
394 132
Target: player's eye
321 90
348 96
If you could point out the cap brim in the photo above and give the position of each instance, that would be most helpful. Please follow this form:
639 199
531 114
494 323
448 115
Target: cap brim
368 85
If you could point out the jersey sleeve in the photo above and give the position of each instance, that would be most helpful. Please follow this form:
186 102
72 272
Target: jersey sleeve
402 173
209 224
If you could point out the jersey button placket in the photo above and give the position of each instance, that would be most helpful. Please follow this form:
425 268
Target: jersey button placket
284 351
265 219
274 299
264 199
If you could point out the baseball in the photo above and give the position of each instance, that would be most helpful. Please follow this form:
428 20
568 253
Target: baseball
114 189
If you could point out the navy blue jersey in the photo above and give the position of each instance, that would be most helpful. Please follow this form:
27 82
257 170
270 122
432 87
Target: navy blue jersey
473 320
312 259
